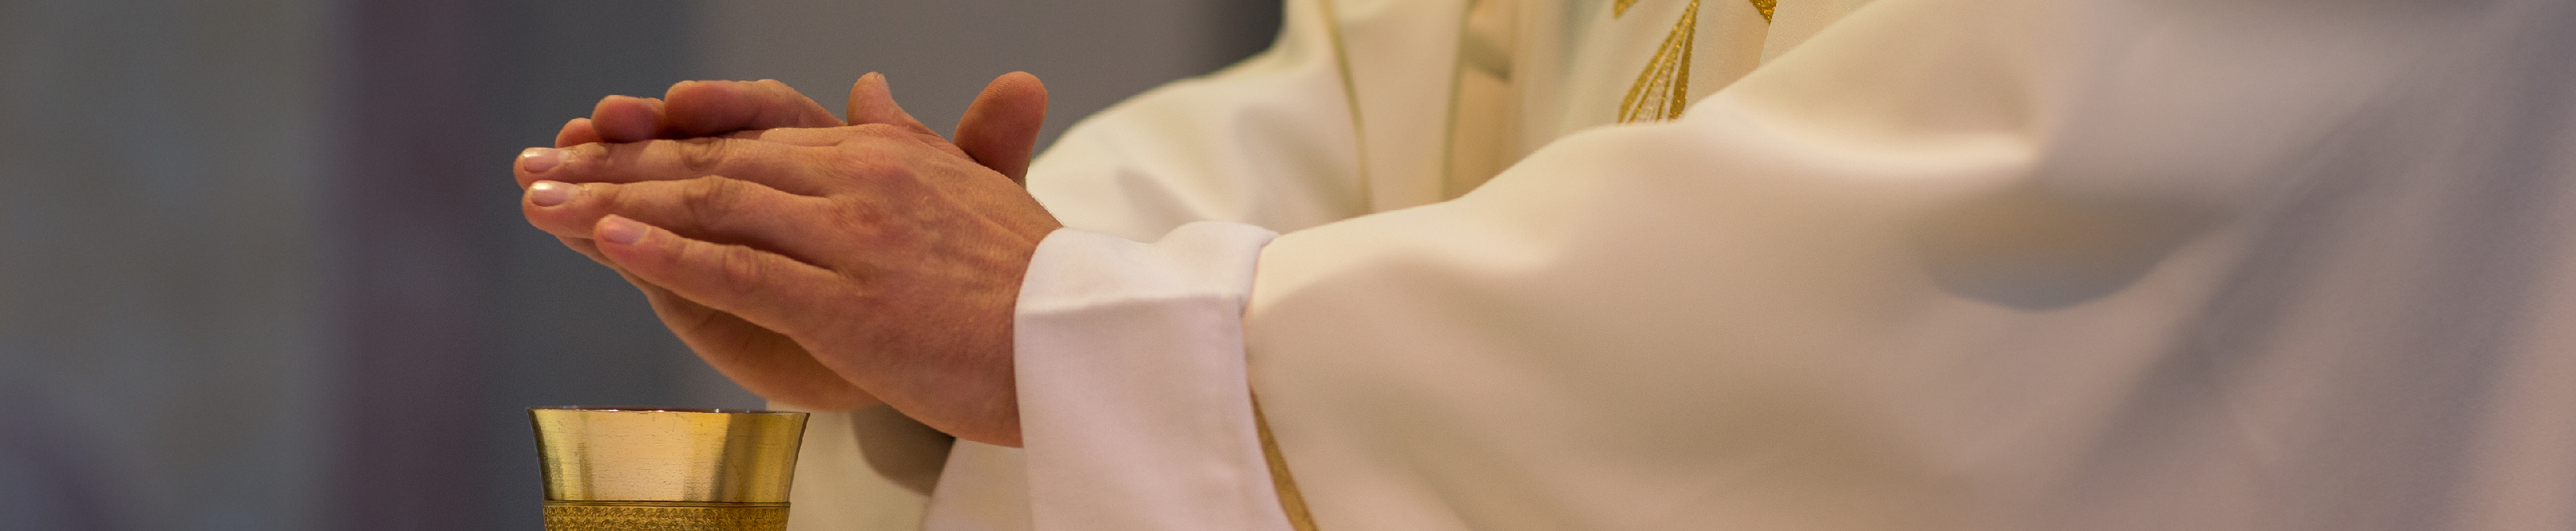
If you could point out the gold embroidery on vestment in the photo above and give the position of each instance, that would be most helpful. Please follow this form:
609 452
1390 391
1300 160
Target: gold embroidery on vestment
1290 500
1620 8
1664 88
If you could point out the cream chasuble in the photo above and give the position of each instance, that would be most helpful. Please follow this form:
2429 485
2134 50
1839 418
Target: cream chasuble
1928 264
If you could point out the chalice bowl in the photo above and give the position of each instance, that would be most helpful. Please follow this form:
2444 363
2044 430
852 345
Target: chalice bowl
632 469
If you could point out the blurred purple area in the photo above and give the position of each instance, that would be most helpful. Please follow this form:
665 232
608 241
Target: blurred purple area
261 265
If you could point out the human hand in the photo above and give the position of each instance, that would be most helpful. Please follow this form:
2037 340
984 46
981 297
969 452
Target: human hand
999 129
888 256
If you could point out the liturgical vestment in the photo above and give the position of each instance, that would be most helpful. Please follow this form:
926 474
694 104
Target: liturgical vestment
1805 265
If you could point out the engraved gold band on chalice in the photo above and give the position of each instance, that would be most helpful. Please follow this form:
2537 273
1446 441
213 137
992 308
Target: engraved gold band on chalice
664 516
640 469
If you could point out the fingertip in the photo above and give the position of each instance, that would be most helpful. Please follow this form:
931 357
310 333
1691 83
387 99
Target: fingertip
1000 128
697 108
616 229
575 132
673 93
626 118
561 209
870 93
699 93
1020 78
872 102
540 159
549 194
708 108
531 163
1019 94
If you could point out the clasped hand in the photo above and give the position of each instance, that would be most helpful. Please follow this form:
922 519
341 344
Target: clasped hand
817 263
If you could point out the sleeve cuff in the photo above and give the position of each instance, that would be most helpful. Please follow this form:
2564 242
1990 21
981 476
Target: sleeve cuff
1134 404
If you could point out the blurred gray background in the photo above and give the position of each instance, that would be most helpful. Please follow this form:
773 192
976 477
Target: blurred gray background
261 264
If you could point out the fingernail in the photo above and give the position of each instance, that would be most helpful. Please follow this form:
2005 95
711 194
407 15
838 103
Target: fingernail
620 230
551 193
538 160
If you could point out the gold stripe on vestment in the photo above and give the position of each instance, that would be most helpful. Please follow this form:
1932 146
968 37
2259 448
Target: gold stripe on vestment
1664 88
1290 500
1620 8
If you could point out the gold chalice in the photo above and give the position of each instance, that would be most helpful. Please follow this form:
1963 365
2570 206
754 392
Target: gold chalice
622 469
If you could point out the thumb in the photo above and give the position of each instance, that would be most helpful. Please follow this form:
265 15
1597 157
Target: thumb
766 289
872 102
1000 130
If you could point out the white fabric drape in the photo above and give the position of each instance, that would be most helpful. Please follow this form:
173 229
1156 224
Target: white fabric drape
1972 264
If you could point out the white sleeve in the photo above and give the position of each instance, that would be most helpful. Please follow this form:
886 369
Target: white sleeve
1134 402
1206 165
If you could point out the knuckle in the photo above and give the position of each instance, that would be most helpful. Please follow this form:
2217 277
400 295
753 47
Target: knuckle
895 178
701 155
860 178
856 219
601 198
739 267
710 196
